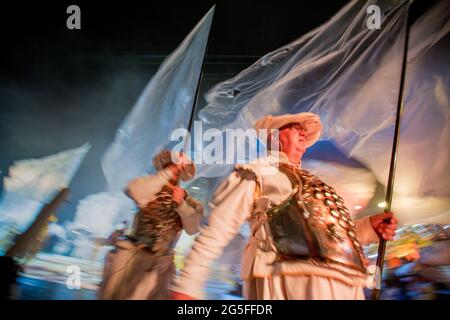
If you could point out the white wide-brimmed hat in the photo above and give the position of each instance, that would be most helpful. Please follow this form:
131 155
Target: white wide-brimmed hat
166 157
309 121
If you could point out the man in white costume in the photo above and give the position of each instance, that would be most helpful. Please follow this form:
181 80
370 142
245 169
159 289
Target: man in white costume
141 265
303 243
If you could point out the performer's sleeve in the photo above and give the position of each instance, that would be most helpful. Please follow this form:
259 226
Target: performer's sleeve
233 202
143 189
190 211
365 232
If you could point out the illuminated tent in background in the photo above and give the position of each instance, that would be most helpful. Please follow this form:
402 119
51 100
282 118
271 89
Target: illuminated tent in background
32 183
97 214
349 75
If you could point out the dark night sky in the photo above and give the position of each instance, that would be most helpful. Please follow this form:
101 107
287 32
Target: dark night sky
60 88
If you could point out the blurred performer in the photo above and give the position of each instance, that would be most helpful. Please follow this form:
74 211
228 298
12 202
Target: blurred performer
141 265
303 243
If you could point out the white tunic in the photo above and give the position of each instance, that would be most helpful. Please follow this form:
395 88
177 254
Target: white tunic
235 202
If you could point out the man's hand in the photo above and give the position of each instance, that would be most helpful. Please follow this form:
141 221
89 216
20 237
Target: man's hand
180 296
384 225
178 194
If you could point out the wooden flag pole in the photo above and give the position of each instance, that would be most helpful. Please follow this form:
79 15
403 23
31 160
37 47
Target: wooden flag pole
390 185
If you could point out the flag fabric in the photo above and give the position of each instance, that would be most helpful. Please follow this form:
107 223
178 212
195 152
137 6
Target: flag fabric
164 105
31 183
349 74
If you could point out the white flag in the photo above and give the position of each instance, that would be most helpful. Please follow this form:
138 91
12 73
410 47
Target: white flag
164 105
32 183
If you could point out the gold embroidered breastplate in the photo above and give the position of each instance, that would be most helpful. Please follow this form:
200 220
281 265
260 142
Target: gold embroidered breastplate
314 225
158 225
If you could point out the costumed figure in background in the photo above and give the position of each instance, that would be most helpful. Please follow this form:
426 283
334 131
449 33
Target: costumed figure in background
303 243
141 265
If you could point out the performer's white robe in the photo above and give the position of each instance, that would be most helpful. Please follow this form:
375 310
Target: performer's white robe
133 273
234 203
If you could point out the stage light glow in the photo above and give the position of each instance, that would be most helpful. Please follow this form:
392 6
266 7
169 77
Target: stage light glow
382 204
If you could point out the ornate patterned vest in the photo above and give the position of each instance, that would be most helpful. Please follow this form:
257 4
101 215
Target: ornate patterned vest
314 224
158 226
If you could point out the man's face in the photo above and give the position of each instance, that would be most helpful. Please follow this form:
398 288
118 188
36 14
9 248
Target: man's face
293 139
